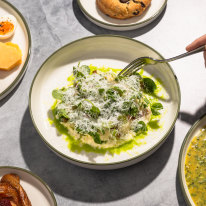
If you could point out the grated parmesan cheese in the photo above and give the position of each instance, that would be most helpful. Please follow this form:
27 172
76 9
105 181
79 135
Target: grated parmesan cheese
100 110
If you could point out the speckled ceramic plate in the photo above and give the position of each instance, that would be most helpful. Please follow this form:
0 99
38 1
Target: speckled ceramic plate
108 51
9 79
194 131
91 11
38 191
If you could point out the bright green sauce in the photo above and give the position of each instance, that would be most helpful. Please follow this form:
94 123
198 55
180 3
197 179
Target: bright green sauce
77 146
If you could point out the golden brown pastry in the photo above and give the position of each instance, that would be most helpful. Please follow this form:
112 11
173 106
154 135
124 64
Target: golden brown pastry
12 191
123 9
9 193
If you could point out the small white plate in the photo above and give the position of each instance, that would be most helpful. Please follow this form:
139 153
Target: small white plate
193 132
38 191
91 11
109 51
9 79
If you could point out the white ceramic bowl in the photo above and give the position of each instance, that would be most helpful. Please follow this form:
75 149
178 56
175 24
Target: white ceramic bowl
37 190
91 11
22 37
194 131
108 51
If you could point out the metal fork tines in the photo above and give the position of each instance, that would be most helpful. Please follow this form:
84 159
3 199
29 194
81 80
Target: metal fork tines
134 65
143 61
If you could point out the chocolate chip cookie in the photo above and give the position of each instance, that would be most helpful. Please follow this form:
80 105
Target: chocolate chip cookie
123 9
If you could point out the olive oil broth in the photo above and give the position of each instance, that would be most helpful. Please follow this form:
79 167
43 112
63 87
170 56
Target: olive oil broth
195 168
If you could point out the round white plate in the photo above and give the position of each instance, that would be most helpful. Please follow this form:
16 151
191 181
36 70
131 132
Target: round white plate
9 79
193 132
108 51
91 11
38 192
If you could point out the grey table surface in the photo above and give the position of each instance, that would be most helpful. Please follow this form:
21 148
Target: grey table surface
152 182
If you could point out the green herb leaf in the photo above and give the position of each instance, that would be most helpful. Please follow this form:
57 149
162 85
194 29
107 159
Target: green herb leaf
126 107
149 85
112 92
133 110
96 137
155 108
78 74
119 78
74 107
58 94
137 74
130 108
155 112
94 112
114 132
118 90
136 96
140 127
80 130
85 69
101 91
62 113
81 90
122 118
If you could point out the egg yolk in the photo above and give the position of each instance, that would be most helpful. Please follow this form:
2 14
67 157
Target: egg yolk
6 27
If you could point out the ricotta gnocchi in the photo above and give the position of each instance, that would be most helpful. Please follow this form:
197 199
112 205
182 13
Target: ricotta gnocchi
103 110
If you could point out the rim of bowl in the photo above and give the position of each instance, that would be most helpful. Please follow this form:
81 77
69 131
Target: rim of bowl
35 176
125 25
16 80
119 162
181 161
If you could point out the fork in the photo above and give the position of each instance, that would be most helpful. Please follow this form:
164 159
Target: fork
143 61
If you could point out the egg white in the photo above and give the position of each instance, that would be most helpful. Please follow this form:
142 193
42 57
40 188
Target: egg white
11 19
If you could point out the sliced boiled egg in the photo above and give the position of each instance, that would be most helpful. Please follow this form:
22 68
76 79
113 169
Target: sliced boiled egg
8 26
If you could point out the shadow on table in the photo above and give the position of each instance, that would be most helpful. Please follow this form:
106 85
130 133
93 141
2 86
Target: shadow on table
99 30
192 118
180 196
83 184
7 97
